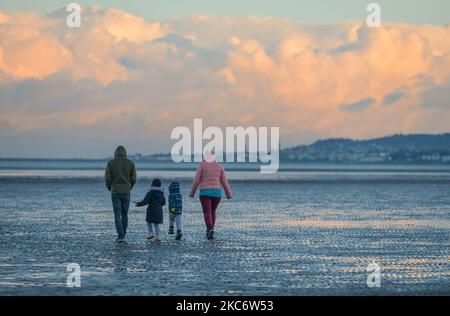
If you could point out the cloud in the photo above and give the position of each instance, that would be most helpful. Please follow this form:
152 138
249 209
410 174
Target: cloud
393 97
358 106
124 26
120 72
32 46
27 53
437 96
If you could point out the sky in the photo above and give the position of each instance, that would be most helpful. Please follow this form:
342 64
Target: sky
302 11
135 70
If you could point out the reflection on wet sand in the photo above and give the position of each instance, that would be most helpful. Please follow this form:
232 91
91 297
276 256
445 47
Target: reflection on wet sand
376 224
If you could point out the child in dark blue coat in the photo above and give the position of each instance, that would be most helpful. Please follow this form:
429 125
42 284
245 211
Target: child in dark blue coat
175 209
155 200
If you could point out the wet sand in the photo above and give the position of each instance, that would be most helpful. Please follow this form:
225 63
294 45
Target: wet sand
274 238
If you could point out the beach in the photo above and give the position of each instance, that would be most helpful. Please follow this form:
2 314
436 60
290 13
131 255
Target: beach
304 233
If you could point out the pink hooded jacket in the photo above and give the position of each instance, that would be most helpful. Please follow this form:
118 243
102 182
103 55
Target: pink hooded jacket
211 175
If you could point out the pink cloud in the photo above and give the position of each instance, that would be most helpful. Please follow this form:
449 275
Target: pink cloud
27 53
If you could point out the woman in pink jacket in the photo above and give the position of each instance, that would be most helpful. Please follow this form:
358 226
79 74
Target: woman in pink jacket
211 178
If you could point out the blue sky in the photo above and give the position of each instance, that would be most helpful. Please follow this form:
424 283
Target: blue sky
304 11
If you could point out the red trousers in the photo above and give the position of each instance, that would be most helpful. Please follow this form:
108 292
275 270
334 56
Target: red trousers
209 206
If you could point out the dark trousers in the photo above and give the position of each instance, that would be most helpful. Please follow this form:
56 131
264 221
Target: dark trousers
121 204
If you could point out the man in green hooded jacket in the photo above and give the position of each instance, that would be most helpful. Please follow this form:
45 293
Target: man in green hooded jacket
120 177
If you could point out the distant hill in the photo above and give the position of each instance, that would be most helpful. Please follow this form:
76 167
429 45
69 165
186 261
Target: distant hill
392 149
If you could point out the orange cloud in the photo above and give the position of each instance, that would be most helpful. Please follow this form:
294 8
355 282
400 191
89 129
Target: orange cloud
314 84
26 53
124 26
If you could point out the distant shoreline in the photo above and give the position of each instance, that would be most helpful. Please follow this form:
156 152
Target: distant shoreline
11 165
285 162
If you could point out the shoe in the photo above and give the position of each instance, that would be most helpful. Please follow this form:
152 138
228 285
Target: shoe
179 235
151 237
120 240
157 239
210 235
171 230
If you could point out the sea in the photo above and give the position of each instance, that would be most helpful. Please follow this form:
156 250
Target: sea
309 229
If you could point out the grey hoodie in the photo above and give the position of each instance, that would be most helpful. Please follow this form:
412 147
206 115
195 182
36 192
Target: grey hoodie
120 173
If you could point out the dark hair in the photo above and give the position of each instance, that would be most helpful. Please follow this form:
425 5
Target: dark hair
156 183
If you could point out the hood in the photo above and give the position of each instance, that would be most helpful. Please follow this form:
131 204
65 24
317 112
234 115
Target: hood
174 187
120 152
153 188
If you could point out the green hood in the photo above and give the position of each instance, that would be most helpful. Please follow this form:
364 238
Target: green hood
120 152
